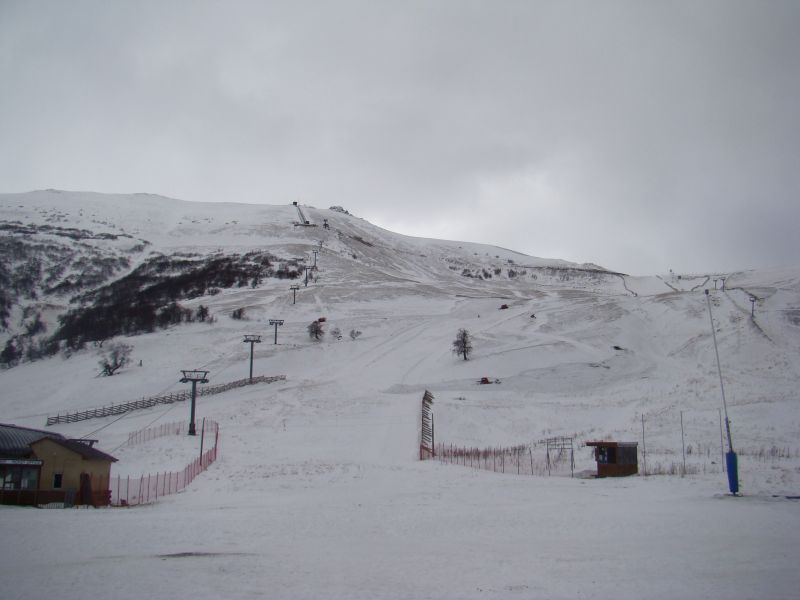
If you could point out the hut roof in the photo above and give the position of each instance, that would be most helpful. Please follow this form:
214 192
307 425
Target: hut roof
607 444
85 450
15 442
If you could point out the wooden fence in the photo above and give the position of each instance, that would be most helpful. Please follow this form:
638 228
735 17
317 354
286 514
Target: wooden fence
426 435
118 409
516 460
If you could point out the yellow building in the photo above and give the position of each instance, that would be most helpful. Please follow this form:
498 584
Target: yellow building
39 467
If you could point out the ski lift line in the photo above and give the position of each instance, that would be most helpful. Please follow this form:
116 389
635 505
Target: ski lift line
125 414
163 391
122 416
159 417
747 311
216 371
86 407
350 424
15 417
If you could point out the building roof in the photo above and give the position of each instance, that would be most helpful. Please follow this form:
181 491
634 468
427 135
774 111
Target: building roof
15 442
84 450
607 444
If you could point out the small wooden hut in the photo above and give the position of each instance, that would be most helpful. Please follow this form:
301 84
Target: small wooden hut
616 459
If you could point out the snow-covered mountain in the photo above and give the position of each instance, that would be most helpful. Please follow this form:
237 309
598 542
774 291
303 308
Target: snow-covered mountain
58 246
579 351
67 251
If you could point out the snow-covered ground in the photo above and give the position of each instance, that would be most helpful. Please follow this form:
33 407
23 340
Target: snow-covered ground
318 493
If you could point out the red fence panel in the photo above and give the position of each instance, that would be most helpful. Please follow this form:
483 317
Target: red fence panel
127 491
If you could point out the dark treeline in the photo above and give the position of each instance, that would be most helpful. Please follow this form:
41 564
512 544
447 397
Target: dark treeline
144 300
30 268
147 298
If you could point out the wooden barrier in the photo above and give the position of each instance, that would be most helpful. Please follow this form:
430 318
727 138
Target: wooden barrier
518 460
118 409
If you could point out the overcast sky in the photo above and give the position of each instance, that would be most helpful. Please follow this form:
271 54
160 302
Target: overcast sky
641 136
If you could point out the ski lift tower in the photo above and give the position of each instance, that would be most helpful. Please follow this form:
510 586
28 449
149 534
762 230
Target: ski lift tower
276 323
251 339
194 377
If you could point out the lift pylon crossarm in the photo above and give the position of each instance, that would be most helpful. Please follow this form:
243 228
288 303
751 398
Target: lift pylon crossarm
190 375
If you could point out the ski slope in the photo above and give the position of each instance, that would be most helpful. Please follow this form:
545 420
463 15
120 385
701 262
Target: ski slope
318 491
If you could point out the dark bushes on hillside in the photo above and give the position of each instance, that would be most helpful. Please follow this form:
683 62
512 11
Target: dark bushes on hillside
147 298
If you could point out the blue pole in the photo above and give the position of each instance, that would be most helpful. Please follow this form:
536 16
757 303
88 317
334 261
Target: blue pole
733 472
730 456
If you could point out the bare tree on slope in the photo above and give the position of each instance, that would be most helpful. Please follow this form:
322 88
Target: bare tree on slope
462 345
115 357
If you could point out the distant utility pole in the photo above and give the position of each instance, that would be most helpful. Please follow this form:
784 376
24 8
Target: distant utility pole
276 322
306 268
715 283
683 446
252 339
294 289
315 257
722 279
194 377
644 449
730 457
752 307
721 443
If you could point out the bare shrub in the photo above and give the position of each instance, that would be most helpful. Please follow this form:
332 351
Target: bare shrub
315 330
115 357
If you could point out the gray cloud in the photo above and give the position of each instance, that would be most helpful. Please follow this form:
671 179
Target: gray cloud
639 135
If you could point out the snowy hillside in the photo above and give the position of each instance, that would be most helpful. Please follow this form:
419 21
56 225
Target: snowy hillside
318 491
60 246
